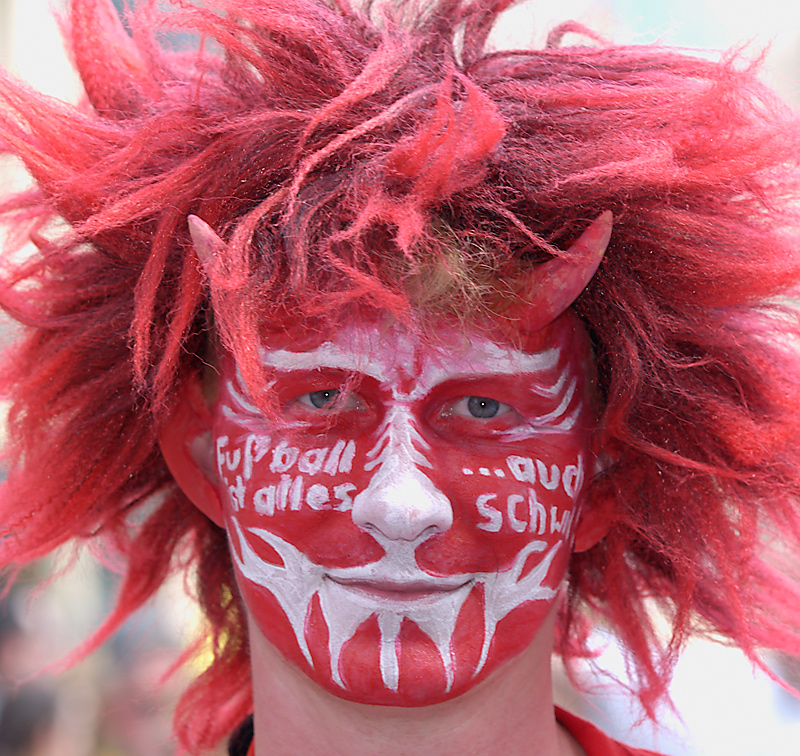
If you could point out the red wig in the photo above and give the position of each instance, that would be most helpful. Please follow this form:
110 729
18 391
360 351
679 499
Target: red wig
386 159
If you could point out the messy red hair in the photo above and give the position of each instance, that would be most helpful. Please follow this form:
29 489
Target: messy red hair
345 156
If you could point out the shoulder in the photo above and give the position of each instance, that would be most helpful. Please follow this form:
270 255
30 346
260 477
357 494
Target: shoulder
594 741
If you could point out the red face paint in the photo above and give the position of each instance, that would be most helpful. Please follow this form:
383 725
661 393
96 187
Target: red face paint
403 525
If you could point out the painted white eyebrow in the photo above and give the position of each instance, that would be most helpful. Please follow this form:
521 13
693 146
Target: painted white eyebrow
488 359
326 355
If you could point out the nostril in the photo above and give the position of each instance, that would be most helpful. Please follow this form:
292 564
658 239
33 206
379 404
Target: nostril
397 524
412 535
431 530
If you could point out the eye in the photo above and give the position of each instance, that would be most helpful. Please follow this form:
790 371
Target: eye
320 399
331 399
479 407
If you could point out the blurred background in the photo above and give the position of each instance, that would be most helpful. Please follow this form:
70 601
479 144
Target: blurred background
118 701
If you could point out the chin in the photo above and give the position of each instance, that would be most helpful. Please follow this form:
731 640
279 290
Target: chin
409 671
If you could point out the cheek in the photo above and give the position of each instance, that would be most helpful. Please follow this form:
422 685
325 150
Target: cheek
302 492
503 499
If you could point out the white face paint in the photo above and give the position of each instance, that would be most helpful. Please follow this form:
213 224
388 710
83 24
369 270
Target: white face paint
402 528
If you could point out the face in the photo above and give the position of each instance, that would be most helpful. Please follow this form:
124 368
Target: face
402 526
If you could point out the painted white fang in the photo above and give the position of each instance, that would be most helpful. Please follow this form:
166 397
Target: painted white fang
506 591
293 585
345 608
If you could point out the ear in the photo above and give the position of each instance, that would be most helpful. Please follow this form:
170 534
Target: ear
597 513
594 523
187 446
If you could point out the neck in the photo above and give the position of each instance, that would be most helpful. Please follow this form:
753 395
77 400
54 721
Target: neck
510 713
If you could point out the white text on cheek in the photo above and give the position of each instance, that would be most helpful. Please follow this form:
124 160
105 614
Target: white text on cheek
235 466
527 513
522 514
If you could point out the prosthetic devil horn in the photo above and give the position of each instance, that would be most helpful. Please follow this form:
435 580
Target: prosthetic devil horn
553 286
206 242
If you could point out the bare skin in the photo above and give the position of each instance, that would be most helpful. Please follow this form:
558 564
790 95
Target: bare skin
509 714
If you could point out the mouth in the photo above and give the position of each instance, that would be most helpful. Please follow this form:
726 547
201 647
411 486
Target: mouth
404 592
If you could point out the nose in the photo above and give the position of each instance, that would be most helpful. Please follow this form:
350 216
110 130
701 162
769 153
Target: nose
402 503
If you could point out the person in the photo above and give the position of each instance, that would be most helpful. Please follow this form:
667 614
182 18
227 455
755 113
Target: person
423 357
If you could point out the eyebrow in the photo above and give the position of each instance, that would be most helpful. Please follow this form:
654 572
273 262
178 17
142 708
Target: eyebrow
326 355
489 359
493 360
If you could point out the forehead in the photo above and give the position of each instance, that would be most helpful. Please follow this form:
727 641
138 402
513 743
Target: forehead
389 354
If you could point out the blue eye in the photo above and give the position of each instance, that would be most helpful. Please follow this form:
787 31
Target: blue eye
331 399
479 408
323 399
482 407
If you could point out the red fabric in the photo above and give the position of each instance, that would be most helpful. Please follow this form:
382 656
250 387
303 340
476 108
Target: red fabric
593 741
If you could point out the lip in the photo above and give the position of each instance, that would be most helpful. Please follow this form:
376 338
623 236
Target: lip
400 591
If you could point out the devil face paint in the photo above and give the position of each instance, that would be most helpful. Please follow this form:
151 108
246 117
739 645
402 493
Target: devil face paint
402 526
